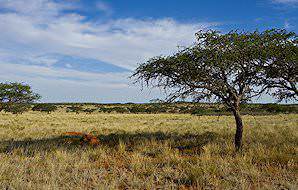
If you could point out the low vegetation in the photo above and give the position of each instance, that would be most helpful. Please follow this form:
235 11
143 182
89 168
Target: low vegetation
48 108
147 151
177 108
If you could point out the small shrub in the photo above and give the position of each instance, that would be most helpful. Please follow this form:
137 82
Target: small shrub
16 108
76 109
273 108
137 109
199 111
119 110
89 110
184 109
156 108
105 110
114 109
45 108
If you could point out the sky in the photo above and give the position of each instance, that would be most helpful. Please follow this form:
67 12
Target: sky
85 50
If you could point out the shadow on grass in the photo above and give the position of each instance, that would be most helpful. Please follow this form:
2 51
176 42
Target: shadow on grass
187 143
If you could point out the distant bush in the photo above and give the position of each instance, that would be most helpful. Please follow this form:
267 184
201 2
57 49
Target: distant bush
276 108
73 108
120 109
104 109
199 111
156 108
16 108
184 109
89 110
137 109
45 108
248 107
212 110
113 109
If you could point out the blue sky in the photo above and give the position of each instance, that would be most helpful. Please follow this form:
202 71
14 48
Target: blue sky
85 50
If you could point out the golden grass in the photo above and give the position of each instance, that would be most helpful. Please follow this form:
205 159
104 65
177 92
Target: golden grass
139 151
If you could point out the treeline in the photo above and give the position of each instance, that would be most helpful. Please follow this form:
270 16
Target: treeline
154 108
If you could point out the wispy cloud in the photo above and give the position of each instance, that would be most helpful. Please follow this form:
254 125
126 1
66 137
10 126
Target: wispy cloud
36 9
33 30
285 1
123 42
66 85
105 7
287 24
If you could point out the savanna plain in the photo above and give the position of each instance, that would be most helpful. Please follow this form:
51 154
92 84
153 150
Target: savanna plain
147 151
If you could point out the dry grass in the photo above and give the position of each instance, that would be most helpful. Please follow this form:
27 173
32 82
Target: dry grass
164 151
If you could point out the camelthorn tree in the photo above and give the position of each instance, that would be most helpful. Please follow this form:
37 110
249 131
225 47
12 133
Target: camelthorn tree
230 68
16 97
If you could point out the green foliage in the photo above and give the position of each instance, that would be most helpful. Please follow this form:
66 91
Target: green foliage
73 108
137 109
182 108
45 108
104 109
89 110
281 72
16 108
199 111
210 110
156 108
16 97
114 109
150 108
277 108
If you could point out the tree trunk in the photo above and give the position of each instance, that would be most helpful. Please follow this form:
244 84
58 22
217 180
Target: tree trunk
239 129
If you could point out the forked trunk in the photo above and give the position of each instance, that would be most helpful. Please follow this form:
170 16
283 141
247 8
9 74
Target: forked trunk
239 130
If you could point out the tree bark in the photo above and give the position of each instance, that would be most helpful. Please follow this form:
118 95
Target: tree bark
239 129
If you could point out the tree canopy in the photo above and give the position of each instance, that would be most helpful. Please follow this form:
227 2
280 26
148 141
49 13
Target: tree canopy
15 97
281 74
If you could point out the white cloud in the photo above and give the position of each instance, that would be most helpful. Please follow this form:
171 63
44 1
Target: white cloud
105 7
68 65
33 29
66 74
285 1
37 9
65 85
123 42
